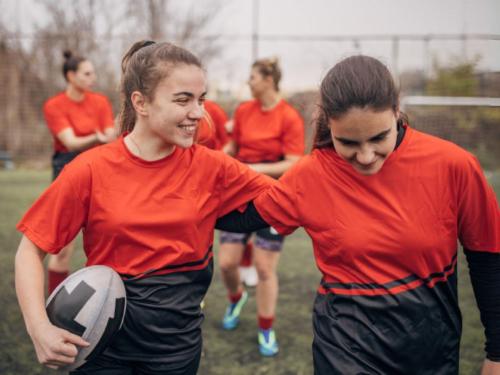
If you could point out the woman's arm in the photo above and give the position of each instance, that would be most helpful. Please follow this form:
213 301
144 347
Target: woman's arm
484 270
276 169
74 143
54 346
230 148
241 222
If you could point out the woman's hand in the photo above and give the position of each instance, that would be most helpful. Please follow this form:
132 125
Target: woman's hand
490 368
56 347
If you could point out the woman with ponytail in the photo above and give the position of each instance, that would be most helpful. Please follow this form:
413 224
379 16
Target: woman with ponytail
78 119
384 205
148 202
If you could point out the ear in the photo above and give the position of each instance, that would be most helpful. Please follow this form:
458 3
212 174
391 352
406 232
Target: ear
139 102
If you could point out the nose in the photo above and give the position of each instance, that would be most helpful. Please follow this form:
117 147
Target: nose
365 155
197 112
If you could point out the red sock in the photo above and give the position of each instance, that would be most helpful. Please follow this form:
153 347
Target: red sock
235 297
246 260
55 278
266 323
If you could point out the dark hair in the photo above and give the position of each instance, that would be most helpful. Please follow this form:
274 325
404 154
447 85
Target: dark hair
269 68
144 66
71 63
357 81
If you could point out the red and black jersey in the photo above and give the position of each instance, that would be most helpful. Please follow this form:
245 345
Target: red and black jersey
267 135
386 245
85 117
138 217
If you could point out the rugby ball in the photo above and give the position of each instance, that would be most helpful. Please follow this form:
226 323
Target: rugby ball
90 303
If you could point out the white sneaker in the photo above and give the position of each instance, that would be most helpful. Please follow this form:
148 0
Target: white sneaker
248 276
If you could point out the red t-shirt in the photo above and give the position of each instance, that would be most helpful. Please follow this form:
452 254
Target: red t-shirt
379 229
267 136
211 129
92 113
138 215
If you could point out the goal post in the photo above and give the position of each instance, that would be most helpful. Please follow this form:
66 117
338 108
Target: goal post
471 122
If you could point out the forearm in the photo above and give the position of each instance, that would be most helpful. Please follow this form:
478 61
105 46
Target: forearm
80 143
242 222
110 132
29 281
230 148
485 277
274 170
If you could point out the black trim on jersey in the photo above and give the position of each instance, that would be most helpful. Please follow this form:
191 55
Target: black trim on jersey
392 284
242 222
168 267
484 269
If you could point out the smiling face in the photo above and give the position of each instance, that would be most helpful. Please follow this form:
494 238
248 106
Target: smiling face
177 105
84 77
365 138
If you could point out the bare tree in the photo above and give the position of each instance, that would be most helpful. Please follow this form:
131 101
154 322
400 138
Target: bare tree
167 20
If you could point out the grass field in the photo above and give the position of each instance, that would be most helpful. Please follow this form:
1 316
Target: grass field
233 353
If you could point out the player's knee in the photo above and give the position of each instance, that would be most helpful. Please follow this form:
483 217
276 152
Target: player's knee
228 264
265 270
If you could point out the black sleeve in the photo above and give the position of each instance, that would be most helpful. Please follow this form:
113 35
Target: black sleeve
241 222
484 271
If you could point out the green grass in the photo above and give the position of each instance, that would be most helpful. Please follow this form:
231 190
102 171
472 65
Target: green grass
233 353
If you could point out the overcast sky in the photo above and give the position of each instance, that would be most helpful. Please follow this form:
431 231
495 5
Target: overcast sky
305 62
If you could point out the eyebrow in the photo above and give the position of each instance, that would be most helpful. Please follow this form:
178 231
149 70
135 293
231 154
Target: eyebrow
379 135
189 94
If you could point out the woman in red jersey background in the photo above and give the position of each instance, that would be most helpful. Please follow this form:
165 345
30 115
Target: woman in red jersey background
211 130
78 119
268 135
384 205
148 202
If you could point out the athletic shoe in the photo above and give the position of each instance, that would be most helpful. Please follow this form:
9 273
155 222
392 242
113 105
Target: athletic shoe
248 276
232 315
268 346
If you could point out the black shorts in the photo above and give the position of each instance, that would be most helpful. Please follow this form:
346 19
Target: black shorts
105 365
266 238
59 160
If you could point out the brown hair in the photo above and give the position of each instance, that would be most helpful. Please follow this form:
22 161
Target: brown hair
357 81
144 66
269 68
71 63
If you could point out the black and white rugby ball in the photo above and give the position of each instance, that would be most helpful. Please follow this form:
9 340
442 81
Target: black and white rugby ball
89 303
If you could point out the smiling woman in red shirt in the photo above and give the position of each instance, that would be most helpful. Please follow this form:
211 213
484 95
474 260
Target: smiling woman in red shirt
384 205
148 202
78 119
